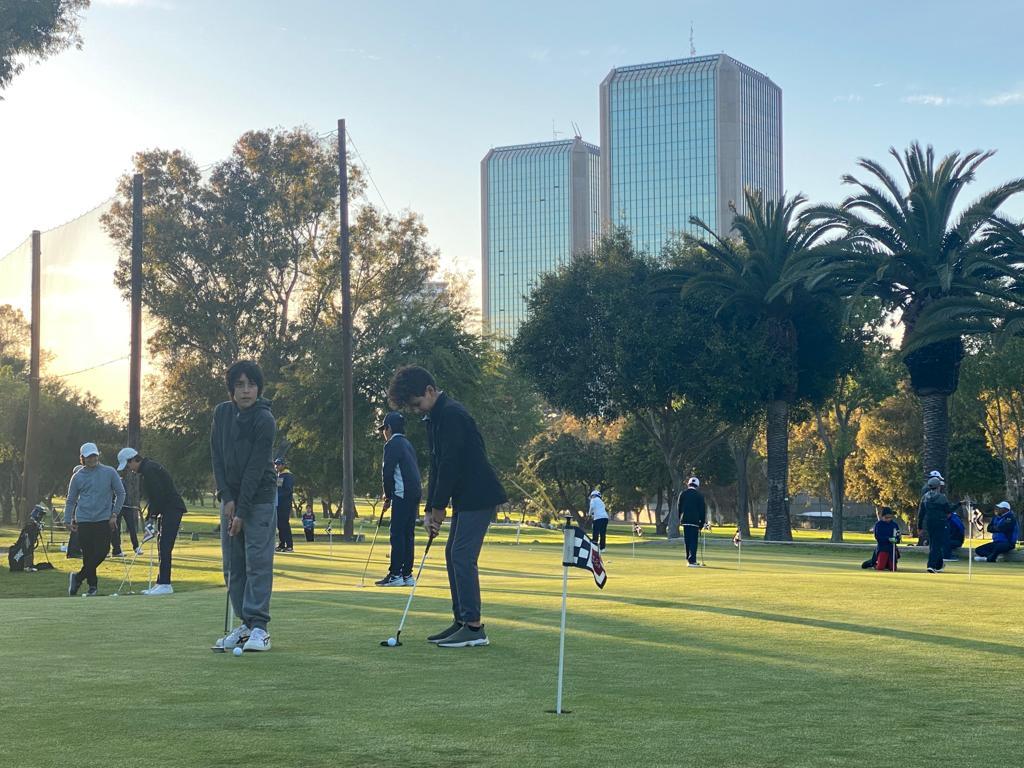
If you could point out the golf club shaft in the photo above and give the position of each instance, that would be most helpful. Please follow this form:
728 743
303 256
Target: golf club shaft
362 579
227 596
419 573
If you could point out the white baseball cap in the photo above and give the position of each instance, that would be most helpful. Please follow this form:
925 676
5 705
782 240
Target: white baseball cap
124 456
694 482
936 473
1003 505
88 449
594 493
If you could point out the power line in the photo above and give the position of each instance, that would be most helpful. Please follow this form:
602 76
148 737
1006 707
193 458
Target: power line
92 367
369 175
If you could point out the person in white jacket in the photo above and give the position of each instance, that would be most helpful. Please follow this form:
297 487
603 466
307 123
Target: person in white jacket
599 514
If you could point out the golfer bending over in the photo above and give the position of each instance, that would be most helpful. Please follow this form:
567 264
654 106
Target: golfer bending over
242 444
460 473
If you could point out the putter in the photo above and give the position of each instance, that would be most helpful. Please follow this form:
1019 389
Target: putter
703 545
227 604
398 634
127 576
380 519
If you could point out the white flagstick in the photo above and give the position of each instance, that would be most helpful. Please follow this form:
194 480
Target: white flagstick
567 547
970 541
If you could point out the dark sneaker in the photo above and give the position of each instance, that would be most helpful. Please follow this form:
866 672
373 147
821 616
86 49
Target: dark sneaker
445 633
92 592
279 548
72 584
465 637
288 549
117 554
934 570
391 580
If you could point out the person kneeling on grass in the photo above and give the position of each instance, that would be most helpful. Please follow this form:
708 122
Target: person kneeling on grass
955 533
887 536
1005 532
242 445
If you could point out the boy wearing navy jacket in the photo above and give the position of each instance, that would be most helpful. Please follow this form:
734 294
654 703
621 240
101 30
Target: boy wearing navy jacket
1005 532
402 490
955 532
887 536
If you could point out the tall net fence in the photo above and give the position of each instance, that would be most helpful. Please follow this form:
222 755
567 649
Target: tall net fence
84 320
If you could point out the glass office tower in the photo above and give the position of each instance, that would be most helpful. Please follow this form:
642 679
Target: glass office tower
540 204
683 138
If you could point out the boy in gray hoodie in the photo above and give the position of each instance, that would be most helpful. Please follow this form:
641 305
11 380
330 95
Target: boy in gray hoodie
95 497
242 445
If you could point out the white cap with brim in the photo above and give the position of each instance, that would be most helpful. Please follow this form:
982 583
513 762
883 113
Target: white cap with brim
694 482
936 473
88 449
595 493
1003 505
124 456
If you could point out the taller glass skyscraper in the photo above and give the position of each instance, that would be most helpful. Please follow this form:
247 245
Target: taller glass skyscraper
540 204
683 138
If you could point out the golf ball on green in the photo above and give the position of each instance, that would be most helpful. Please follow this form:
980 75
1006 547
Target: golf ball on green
392 642
237 651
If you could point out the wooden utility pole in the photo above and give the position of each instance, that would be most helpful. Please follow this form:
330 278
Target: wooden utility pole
135 352
347 407
30 476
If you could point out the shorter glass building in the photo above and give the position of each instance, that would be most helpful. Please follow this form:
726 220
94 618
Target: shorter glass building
683 138
540 204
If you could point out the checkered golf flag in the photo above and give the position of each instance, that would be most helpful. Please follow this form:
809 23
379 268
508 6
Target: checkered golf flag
580 552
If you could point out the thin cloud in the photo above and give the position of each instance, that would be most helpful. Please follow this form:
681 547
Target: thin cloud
850 98
928 100
1005 99
539 55
162 5
877 85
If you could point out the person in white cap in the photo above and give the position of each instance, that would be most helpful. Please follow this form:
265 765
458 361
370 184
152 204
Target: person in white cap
95 497
599 514
693 514
165 505
1005 532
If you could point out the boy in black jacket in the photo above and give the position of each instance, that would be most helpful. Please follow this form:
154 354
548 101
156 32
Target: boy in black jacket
693 514
242 444
165 503
400 474
460 473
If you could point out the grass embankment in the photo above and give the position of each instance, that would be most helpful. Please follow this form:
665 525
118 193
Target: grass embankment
800 658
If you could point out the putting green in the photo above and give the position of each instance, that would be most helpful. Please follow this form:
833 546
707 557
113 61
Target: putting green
798 659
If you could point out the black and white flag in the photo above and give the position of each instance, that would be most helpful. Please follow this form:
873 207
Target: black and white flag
580 552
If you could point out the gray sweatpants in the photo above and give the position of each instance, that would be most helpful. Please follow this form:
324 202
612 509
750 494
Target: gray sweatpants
250 557
461 554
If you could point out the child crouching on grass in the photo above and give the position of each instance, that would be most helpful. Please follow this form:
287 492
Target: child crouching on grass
887 536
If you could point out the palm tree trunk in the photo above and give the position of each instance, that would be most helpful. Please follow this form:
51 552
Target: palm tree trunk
741 446
778 524
837 487
935 408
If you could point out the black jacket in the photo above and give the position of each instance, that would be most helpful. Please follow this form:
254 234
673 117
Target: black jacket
693 510
399 452
933 511
159 488
459 469
242 444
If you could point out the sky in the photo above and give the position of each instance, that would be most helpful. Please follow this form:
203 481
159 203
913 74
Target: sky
428 88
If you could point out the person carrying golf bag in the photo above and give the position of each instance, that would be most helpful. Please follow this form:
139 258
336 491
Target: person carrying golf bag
693 514
460 473
165 504
242 446
402 491
95 497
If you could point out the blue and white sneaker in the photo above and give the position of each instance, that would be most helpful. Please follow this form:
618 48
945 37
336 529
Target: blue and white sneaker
258 640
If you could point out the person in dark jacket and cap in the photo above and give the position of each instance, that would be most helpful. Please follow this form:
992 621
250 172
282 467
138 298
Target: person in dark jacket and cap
242 446
1005 531
693 514
165 504
400 476
460 474
932 517
285 496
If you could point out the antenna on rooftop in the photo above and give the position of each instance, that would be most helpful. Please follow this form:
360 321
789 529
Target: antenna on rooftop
576 130
693 51
554 134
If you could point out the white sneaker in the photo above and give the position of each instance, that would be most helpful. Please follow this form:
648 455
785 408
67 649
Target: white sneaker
138 551
258 640
234 639
410 581
693 565
159 589
980 559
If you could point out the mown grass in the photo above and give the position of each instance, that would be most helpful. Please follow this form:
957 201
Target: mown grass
799 658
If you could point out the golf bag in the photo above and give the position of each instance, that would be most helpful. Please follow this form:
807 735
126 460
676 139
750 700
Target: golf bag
21 555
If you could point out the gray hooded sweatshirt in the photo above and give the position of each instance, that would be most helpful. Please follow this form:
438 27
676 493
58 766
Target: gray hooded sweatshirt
95 495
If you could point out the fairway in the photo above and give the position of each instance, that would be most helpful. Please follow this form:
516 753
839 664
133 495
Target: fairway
800 658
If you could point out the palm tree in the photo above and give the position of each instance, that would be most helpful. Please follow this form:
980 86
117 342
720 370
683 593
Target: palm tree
746 271
948 276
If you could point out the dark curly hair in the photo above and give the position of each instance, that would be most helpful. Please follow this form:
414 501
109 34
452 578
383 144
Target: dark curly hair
252 372
408 382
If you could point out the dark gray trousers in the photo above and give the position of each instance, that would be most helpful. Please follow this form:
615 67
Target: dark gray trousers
250 557
461 554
